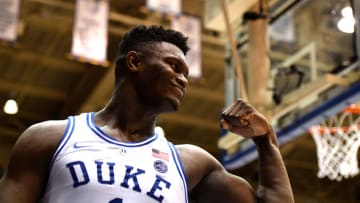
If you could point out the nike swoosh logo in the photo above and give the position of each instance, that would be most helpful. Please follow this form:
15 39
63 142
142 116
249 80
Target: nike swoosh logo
79 146
94 146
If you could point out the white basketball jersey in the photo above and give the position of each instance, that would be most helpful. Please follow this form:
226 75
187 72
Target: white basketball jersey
91 166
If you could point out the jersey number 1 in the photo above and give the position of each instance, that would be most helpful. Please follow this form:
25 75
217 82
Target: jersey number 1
116 200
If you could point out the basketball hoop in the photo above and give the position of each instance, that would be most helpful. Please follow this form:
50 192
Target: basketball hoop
337 140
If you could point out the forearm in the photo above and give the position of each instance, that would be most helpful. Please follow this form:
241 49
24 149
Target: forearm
274 185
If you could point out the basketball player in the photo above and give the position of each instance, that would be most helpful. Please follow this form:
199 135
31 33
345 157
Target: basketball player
115 155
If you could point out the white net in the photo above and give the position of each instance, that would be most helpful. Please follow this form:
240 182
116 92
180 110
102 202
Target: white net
337 146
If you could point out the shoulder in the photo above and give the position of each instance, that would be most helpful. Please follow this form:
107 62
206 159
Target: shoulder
197 163
41 139
37 144
191 152
43 133
28 166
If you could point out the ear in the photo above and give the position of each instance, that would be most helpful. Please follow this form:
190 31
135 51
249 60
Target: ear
133 61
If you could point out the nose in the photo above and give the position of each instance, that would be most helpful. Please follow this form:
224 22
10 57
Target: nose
181 80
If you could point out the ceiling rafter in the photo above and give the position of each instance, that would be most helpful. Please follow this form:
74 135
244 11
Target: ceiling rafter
9 132
29 89
190 120
84 87
276 55
49 62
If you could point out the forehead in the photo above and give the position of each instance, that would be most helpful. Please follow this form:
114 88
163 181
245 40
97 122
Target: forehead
167 49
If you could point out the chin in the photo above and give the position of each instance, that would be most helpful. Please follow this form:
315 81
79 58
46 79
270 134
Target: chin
172 105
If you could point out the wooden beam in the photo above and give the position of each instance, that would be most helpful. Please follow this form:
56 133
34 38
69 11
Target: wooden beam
58 4
295 98
17 123
205 94
229 141
9 132
307 93
189 120
36 117
5 86
215 20
303 62
338 80
214 54
48 62
258 66
25 115
82 90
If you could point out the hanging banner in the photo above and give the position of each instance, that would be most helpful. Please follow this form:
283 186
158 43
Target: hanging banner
9 17
284 28
90 30
191 27
172 7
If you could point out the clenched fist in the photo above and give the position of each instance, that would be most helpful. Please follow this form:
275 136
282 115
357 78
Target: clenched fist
243 119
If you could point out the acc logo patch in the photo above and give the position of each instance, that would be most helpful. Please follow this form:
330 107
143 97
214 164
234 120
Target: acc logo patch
160 166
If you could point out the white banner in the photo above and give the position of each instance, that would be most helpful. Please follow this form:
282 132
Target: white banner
90 30
283 29
191 27
9 14
172 7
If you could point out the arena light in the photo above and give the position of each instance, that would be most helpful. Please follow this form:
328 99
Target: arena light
347 22
11 107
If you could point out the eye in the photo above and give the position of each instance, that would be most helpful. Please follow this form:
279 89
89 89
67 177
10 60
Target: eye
175 67
186 74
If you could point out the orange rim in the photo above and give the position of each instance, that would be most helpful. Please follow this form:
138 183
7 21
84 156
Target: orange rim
332 130
352 109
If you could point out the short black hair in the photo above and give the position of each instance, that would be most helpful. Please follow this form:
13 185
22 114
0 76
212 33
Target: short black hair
140 35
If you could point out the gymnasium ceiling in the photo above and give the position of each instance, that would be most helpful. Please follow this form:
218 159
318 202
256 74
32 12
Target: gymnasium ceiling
39 73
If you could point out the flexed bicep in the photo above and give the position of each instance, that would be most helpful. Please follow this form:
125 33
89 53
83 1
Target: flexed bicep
221 186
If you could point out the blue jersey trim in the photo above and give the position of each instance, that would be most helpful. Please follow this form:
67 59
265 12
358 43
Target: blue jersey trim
65 138
180 169
112 140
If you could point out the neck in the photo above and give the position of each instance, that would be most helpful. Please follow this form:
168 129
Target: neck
125 118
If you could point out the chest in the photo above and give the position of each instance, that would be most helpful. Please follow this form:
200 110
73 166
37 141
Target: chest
116 163
147 173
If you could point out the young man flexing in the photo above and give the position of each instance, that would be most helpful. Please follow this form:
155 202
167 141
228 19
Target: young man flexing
114 155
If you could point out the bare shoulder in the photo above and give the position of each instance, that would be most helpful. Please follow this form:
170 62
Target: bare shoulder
197 163
45 134
38 142
188 152
28 167
195 154
48 127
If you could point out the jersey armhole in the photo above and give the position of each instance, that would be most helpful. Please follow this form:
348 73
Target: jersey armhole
180 169
64 139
